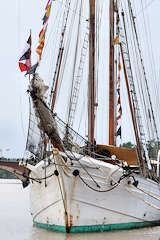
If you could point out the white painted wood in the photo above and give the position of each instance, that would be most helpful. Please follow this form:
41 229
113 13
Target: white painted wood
123 204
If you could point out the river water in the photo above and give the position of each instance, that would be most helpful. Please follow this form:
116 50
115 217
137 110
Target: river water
16 222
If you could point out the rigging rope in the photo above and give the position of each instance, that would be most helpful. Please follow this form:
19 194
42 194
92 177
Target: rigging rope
145 7
145 78
139 77
60 48
77 73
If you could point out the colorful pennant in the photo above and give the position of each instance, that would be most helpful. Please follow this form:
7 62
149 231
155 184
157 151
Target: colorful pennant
119 108
42 33
25 59
32 69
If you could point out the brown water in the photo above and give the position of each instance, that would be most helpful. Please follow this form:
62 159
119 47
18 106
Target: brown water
16 222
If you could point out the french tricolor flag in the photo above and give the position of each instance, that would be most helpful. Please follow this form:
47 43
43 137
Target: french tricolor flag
25 59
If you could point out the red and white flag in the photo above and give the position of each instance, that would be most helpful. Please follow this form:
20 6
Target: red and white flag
25 59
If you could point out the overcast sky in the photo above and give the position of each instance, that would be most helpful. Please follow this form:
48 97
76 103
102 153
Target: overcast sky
17 17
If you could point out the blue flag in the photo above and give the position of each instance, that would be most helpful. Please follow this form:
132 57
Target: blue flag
33 69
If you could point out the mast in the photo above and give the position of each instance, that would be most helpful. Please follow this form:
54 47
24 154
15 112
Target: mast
111 77
132 108
56 84
91 80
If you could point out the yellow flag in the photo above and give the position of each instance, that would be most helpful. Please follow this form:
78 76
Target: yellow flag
116 40
48 10
119 66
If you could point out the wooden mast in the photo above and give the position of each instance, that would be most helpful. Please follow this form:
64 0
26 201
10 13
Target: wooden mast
91 80
56 83
132 107
111 78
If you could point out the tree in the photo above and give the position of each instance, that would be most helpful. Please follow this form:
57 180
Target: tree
128 145
152 147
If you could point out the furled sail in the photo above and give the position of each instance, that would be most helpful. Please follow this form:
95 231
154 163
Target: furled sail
59 133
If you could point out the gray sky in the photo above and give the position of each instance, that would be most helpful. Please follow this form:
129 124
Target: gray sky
17 17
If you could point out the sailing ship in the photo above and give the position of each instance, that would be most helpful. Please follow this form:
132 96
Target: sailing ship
78 184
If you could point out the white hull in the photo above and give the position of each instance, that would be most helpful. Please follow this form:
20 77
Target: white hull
67 202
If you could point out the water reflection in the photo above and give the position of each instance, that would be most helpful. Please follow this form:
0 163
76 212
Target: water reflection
139 234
